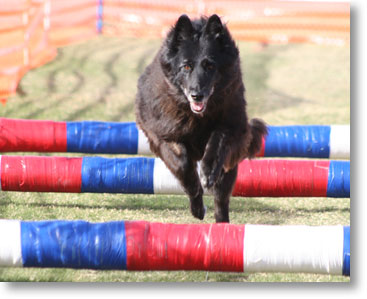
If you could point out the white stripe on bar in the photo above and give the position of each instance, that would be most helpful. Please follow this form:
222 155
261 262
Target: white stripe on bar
163 180
143 144
295 248
339 142
10 243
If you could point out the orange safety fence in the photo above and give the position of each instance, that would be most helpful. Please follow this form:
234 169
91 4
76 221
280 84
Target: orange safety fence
31 30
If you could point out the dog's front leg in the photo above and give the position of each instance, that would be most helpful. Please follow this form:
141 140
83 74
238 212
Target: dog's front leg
214 174
177 160
212 163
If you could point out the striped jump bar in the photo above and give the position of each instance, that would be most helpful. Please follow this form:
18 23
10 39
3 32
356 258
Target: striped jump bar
140 245
124 138
256 178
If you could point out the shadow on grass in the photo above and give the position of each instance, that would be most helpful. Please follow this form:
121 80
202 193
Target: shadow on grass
20 91
121 113
67 61
51 85
277 100
67 65
145 59
113 77
257 67
149 202
245 206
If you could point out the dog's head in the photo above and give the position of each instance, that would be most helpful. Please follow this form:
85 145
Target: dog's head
194 56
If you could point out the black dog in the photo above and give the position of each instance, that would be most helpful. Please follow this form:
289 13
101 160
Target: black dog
191 106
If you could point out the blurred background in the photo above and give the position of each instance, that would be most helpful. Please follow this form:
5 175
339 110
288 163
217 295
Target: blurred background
31 30
74 60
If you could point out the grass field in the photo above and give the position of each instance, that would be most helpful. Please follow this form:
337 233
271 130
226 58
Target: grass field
96 80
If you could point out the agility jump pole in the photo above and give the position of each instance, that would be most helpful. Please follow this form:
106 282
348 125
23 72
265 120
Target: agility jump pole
145 246
256 178
124 138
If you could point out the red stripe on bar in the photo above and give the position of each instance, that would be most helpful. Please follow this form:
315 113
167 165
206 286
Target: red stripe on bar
32 135
41 174
162 246
281 178
262 150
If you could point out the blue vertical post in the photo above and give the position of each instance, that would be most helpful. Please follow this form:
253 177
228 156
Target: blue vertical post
99 16
346 251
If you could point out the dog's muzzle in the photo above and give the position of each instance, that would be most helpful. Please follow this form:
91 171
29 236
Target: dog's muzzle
197 103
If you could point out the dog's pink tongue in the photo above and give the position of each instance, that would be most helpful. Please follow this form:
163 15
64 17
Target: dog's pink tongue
197 106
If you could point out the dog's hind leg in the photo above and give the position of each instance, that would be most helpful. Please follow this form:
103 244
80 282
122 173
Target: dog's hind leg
177 160
222 191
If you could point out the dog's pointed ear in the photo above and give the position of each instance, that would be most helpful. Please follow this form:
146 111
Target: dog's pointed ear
214 26
182 30
183 27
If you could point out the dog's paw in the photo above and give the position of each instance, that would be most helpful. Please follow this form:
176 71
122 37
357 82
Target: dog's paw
198 209
198 212
208 175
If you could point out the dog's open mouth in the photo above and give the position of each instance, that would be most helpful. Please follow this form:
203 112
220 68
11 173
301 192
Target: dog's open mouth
197 107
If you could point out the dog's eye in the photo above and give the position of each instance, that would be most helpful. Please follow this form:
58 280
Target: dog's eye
187 67
208 65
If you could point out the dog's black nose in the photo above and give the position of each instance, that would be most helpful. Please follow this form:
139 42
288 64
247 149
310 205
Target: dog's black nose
197 97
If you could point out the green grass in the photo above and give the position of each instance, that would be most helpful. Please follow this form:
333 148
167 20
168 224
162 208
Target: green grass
96 80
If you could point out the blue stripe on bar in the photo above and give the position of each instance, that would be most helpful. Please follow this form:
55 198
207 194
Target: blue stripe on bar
102 137
338 179
74 244
99 16
298 141
311 141
346 251
105 175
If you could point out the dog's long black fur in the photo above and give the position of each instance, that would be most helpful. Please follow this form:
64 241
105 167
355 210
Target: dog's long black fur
191 106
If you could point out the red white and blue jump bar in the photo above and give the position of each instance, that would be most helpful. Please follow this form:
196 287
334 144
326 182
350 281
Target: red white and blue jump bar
140 245
256 178
124 138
